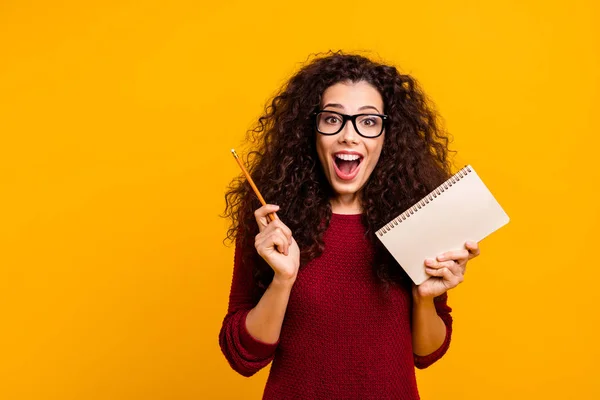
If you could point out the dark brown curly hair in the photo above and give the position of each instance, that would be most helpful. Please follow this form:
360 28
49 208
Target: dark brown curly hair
284 164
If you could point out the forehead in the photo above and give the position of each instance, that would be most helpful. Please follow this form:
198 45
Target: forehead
353 95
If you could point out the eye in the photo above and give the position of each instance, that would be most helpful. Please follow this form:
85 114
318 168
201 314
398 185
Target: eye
370 121
332 119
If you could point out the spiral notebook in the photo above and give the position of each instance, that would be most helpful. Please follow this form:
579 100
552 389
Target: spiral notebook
460 209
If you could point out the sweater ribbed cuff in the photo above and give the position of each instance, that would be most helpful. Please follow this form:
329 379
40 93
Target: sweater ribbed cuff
254 346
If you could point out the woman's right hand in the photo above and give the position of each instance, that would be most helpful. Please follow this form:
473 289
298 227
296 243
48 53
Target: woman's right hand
276 245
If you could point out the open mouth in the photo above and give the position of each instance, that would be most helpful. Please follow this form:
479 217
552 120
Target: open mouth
346 165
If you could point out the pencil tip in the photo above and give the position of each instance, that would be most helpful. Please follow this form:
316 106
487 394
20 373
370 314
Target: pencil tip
233 152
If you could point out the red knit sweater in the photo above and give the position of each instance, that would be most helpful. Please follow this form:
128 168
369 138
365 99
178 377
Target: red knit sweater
342 337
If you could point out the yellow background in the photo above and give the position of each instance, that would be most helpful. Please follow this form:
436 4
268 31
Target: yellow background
116 120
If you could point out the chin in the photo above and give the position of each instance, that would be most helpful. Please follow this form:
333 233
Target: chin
346 189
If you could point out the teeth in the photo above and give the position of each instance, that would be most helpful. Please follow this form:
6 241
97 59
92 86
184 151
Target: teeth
347 157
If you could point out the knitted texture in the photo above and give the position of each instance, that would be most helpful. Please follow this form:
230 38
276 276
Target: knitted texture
343 336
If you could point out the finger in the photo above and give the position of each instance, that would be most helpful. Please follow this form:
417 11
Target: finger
462 254
286 242
439 272
270 241
280 243
432 263
473 248
457 269
277 224
451 279
261 215
274 236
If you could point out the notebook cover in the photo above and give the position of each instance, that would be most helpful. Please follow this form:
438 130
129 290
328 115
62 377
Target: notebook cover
460 209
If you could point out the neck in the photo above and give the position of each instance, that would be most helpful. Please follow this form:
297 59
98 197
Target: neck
346 204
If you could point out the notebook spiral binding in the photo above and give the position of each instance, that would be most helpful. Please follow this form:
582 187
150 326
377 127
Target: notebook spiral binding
425 200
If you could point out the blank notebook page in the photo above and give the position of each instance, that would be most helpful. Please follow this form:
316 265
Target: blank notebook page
460 209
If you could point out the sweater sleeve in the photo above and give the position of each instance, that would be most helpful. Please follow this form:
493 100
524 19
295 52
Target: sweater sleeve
246 354
443 310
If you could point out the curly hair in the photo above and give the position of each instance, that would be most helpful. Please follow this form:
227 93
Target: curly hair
284 164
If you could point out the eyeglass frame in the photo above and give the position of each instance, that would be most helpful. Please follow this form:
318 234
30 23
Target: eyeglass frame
346 118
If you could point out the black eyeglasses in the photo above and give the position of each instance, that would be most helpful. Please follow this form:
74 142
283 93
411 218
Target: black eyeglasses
367 125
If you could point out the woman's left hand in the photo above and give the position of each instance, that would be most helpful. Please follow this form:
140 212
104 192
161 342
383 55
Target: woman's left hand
447 271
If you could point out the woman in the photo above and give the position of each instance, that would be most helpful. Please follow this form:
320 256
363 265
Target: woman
347 145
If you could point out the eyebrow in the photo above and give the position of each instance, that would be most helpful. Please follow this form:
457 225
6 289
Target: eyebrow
336 105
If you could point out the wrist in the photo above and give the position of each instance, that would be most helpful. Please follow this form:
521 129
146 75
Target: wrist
283 282
422 301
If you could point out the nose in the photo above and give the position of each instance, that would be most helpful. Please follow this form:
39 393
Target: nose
348 134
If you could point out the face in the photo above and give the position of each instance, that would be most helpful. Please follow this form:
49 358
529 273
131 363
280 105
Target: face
347 158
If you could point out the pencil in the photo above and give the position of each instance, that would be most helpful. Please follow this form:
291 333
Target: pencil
270 216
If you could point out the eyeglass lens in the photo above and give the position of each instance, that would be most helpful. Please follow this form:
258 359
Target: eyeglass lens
330 123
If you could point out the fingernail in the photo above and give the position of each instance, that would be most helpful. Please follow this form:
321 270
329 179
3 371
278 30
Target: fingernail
429 261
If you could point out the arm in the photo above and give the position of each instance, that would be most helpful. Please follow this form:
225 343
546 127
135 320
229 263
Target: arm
250 332
431 329
264 321
431 320
246 354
